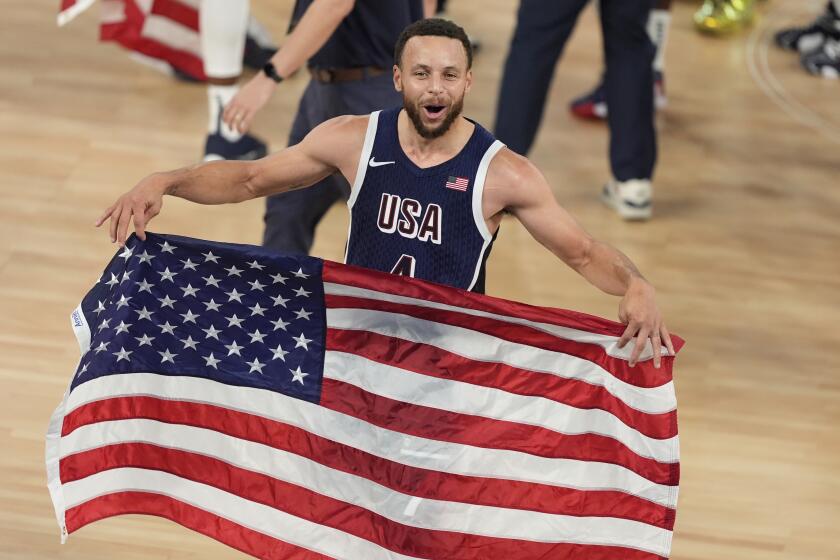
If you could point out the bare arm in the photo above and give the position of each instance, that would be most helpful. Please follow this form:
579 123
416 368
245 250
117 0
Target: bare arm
318 23
330 147
528 197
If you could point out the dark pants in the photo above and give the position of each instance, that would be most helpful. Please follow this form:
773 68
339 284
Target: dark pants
290 218
542 28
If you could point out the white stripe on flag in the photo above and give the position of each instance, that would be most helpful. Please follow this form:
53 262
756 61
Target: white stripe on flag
246 513
466 398
608 343
427 514
172 34
394 446
483 347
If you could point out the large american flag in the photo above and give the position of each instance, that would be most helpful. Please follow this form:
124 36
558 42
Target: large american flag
161 33
296 408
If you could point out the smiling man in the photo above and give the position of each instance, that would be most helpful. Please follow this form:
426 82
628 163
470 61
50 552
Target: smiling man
429 187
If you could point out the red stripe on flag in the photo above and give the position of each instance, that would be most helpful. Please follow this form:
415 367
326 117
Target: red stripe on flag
436 362
643 375
407 479
177 12
489 433
415 288
235 536
309 505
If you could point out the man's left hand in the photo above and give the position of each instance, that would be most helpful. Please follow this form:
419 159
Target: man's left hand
638 310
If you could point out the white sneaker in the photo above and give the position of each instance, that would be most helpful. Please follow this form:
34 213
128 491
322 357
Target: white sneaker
631 199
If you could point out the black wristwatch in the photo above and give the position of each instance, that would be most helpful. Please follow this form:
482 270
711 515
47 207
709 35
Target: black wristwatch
270 71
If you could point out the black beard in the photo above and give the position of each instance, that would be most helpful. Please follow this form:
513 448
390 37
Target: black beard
413 113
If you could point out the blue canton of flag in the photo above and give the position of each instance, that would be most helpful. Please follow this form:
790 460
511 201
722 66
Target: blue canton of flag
177 306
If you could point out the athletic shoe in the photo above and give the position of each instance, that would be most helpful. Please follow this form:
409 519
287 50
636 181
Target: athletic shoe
825 61
810 38
217 147
631 199
593 105
723 16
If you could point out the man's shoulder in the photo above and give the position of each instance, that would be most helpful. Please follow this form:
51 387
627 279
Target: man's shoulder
509 168
344 125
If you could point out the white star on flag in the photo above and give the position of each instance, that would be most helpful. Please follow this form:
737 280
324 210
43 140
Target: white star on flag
302 342
189 290
300 292
278 278
279 353
301 314
211 281
212 332
189 316
144 340
126 252
144 314
167 248
145 257
234 321
233 271
234 348
189 343
167 328
280 324
210 257
256 365
234 295
123 301
122 328
167 356
211 361
256 285
168 275
167 301
300 273
255 264
145 286
257 336
298 375
257 310
123 354
280 300
212 305
113 281
102 346
189 265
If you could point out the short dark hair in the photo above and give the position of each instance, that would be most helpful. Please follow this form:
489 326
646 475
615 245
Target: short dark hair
433 27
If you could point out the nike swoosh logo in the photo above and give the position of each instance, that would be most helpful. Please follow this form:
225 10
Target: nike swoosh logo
374 163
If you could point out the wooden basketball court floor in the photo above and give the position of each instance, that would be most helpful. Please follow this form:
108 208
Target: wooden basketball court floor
744 250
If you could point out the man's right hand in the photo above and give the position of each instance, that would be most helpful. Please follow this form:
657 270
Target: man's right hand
140 205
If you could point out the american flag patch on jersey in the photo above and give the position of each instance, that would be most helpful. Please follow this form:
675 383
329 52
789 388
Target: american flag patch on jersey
457 183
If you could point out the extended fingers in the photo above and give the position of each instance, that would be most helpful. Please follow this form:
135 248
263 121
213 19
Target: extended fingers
641 342
105 215
122 226
629 332
656 342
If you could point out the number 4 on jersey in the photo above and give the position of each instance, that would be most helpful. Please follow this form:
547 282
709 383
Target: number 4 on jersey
404 266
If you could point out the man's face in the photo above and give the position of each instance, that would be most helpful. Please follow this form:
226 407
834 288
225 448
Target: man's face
433 78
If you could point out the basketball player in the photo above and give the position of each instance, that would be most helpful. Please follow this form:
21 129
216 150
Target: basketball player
429 187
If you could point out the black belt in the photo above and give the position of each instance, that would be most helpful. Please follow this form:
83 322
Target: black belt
338 75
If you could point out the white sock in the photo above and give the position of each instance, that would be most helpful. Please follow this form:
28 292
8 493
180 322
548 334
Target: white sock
217 98
659 22
223 25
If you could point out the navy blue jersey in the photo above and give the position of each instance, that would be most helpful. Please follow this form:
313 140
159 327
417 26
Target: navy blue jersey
426 223
367 36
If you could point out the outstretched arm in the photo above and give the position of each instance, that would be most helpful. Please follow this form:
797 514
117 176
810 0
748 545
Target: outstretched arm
330 147
529 198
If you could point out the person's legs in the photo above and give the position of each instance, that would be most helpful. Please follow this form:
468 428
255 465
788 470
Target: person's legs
223 25
593 104
628 52
542 29
628 81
